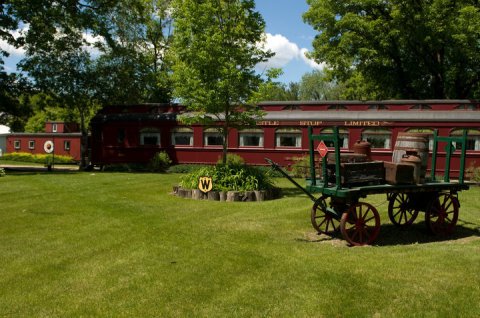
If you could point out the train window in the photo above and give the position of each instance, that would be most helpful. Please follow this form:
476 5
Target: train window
150 137
121 136
421 106
250 138
31 144
377 107
343 134
66 145
182 136
467 107
379 138
288 137
16 144
426 131
212 137
473 138
337 107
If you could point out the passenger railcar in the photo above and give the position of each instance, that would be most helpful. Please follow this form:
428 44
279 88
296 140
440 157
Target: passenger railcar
133 134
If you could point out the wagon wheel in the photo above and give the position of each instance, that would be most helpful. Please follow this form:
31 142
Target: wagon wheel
442 214
360 225
323 221
401 211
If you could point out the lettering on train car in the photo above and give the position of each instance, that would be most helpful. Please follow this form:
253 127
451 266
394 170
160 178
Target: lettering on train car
311 123
363 123
268 123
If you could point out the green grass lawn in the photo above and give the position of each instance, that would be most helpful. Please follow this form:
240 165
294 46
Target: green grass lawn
120 245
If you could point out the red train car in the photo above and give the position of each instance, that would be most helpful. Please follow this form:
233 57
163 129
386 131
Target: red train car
133 134
59 138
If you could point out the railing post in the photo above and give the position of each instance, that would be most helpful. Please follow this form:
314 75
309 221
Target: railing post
312 156
434 155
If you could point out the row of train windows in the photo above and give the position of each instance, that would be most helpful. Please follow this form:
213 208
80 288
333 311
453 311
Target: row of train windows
17 144
292 137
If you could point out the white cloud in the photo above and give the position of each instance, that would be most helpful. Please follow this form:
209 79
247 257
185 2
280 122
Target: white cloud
12 50
285 52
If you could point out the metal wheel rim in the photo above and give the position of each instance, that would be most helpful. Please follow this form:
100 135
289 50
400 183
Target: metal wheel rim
360 225
323 222
399 212
442 214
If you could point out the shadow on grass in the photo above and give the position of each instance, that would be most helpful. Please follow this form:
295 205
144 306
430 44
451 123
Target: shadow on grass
418 233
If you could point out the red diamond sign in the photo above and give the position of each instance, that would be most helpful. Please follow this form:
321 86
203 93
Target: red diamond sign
322 149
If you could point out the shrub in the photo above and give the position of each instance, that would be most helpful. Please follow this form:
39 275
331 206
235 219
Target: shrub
301 167
185 168
230 178
37 158
473 172
160 162
232 159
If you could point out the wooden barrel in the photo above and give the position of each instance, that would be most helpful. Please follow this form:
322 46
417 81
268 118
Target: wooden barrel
416 142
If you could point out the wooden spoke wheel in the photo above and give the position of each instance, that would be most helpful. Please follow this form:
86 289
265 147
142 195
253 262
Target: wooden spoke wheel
323 221
401 210
442 214
360 225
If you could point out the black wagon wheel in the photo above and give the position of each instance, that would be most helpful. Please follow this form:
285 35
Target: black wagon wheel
401 210
360 225
442 214
323 221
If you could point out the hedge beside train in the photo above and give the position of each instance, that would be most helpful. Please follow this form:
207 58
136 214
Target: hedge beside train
133 134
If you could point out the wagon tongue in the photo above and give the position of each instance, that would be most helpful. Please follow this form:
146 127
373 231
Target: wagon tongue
276 167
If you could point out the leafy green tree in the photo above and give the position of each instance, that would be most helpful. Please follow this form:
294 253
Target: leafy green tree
317 86
215 51
270 89
134 67
400 49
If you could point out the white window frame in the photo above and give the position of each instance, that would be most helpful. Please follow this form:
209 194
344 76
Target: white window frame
373 133
31 144
343 134
472 135
150 133
54 127
212 132
66 144
17 144
182 132
294 133
244 134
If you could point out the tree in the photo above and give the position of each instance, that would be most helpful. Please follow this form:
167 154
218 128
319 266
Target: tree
134 67
216 48
401 49
317 86
123 64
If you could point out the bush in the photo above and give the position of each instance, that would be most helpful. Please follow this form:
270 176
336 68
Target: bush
473 172
185 168
160 162
301 167
230 178
232 159
38 158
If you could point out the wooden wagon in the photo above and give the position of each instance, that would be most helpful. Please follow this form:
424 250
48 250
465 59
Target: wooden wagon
339 207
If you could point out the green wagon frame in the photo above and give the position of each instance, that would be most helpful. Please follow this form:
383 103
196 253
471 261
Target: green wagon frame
339 208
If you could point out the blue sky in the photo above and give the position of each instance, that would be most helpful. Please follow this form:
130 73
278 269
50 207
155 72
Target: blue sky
287 36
